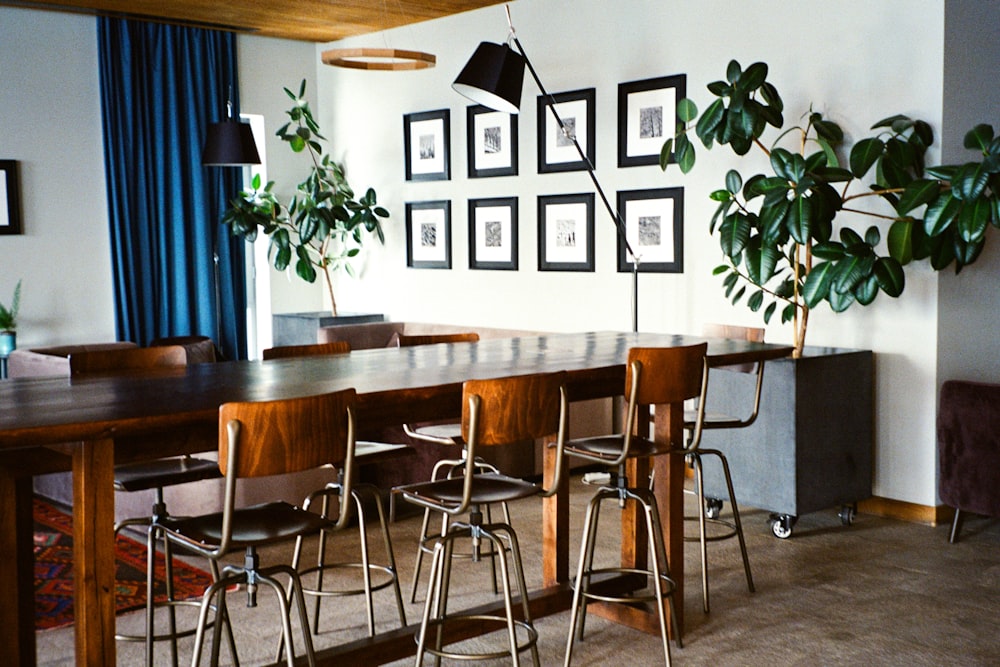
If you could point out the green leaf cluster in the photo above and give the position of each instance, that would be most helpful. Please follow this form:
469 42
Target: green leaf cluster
8 316
324 225
785 233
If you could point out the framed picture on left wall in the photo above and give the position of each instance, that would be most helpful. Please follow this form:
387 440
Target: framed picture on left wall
10 198
428 234
427 145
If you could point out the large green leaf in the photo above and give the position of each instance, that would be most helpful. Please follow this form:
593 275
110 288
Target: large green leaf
840 301
864 154
799 219
900 241
941 213
817 284
973 220
979 138
709 122
970 181
734 182
828 250
917 193
889 274
687 110
754 76
734 232
760 264
772 221
866 291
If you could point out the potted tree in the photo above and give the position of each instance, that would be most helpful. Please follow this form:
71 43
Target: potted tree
789 245
8 323
323 226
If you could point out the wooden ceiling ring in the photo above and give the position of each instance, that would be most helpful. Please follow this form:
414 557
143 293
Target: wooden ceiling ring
378 59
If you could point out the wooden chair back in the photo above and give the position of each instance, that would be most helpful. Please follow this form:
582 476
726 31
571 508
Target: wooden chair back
286 436
315 349
431 339
512 409
658 375
125 359
736 332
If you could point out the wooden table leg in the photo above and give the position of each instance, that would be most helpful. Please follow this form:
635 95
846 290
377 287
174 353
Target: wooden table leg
555 525
94 552
17 580
668 471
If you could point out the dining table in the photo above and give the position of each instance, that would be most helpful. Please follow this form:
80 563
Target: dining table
87 425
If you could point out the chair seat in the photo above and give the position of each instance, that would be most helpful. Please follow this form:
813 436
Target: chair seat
711 420
609 447
252 526
164 472
489 488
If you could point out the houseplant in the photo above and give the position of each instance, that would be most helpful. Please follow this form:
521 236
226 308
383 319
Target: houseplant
8 323
323 226
779 230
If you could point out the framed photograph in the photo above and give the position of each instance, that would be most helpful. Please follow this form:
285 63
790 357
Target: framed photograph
428 234
566 232
426 136
493 233
647 116
10 198
492 142
654 227
556 151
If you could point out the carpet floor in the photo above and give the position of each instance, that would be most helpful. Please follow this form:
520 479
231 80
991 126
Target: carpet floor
880 592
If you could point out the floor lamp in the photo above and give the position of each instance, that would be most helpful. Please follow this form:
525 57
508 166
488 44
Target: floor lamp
227 144
493 77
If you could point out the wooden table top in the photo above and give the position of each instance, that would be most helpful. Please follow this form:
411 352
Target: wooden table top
425 383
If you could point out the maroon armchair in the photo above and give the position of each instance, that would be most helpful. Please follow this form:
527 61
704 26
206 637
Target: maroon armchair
968 437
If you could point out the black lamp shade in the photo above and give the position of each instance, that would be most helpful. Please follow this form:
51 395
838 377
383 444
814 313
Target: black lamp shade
493 77
229 144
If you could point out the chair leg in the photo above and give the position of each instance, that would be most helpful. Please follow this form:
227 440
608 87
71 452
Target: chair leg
699 482
582 571
295 595
736 515
956 527
391 557
661 569
515 550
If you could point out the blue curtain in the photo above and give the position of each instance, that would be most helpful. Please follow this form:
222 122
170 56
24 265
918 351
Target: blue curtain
161 86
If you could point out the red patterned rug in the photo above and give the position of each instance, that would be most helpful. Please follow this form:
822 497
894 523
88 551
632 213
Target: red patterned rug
54 571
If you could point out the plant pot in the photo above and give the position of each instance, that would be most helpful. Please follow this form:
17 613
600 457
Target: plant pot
8 343
811 446
301 328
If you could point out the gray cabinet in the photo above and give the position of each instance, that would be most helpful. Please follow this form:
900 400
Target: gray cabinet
811 446
301 328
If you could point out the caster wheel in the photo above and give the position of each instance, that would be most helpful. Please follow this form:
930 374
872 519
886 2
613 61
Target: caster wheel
781 526
713 508
847 514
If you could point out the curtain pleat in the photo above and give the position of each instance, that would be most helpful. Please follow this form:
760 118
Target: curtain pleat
161 86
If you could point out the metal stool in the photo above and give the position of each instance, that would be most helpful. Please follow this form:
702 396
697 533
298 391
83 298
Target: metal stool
495 412
654 376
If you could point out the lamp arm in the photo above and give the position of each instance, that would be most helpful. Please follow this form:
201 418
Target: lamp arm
615 217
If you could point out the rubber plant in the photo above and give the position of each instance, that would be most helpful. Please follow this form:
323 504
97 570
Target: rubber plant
323 226
795 236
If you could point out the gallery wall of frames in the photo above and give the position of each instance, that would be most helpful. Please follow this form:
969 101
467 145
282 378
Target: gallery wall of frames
647 115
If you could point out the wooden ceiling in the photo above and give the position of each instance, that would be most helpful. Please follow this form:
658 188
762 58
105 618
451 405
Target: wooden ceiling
304 20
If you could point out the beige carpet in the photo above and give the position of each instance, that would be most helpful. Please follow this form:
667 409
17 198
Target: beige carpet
880 592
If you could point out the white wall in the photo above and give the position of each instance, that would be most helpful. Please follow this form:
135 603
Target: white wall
855 61
50 121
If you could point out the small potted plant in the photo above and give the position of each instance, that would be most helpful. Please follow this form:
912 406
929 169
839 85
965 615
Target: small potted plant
8 323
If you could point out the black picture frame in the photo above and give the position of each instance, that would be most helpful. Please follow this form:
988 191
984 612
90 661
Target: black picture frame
10 198
427 145
493 236
647 116
491 138
654 227
428 234
566 232
556 152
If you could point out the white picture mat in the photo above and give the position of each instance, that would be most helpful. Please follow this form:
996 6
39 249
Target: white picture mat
557 252
435 218
4 203
502 157
662 98
487 215
574 109
424 132
651 208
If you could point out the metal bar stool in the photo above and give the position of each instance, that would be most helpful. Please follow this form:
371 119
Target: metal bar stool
261 439
365 452
494 412
695 421
654 376
150 475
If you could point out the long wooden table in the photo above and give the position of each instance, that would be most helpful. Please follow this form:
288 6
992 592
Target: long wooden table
152 414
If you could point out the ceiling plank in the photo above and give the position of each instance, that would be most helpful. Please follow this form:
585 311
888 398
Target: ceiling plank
302 20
